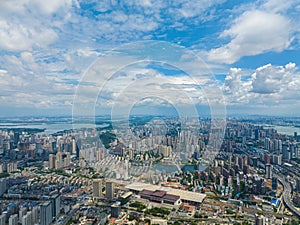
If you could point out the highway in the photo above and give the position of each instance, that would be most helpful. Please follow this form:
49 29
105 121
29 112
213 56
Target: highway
286 196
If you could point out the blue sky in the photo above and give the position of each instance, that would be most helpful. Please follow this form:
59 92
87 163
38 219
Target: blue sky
46 49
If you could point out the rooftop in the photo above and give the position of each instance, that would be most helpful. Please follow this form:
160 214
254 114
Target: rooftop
185 195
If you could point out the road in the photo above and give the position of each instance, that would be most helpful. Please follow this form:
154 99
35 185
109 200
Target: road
70 214
286 197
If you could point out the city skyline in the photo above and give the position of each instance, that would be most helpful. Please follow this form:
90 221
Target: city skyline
250 48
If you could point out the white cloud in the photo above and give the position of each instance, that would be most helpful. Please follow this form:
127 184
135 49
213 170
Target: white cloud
25 24
253 33
273 79
277 6
273 86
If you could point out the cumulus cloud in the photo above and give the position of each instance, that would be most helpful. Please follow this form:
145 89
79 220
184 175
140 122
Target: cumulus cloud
268 85
273 79
254 32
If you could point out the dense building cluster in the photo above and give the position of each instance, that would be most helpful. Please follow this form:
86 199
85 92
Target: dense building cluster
166 172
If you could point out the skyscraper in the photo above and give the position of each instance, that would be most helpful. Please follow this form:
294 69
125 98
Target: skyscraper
46 213
97 188
2 219
109 190
35 214
73 147
52 159
274 183
3 186
286 154
55 204
269 171
27 219
115 210
297 187
13 219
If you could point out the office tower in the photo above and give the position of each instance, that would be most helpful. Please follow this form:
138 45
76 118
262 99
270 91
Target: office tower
109 190
256 134
78 147
73 147
55 204
115 210
46 213
97 188
260 220
13 220
286 154
269 171
16 138
274 183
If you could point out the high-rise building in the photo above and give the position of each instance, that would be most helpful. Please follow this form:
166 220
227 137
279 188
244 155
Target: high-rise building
2 219
297 187
286 154
255 161
274 183
35 214
22 212
3 186
131 154
115 210
97 188
55 204
63 159
166 151
13 220
260 220
27 219
268 171
73 147
11 167
277 159
52 159
109 190
46 213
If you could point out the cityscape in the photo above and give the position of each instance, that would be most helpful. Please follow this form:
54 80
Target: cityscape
95 176
149 112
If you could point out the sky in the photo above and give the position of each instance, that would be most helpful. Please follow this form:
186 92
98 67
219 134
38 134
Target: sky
67 57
